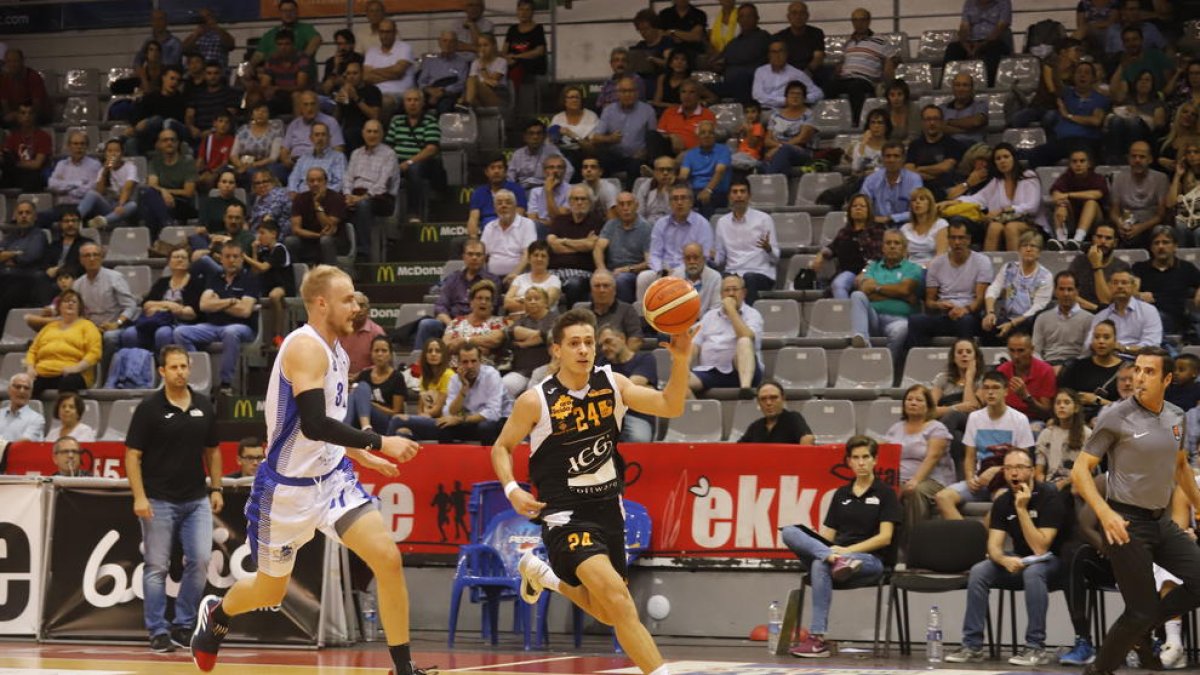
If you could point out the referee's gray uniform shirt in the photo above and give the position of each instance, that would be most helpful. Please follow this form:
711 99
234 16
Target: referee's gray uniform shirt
1141 448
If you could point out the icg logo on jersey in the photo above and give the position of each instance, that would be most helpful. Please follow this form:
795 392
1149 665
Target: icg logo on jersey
592 469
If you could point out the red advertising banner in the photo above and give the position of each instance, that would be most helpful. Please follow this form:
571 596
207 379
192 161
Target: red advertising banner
269 9
715 500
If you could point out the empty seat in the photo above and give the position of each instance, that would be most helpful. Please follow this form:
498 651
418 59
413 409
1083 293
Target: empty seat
708 78
918 75
881 415
768 191
834 221
115 75
997 105
899 42
451 267
1057 261
1132 255
412 312
801 368
699 423
142 166
79 110
200 374
1109 172
993 355
835 48
864 369
459 129
974 68
744 414
176 235
932 47
119 416
139 277
831 421
128 243
77 81
793 230
832 116
1025 139
13 363
781 318
812 185
17 333
1191 255
830 318
1019 73
238 193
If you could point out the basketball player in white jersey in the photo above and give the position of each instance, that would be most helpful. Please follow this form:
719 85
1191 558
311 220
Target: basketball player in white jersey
307 483
573 419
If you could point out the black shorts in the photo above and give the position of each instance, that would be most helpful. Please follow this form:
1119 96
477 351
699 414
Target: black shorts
595 529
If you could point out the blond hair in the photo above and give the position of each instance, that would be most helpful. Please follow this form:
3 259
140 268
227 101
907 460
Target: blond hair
317 280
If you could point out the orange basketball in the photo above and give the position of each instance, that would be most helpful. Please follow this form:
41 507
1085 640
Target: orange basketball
671 305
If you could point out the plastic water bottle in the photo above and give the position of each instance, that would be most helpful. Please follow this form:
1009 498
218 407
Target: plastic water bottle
370 618
933 636
774 625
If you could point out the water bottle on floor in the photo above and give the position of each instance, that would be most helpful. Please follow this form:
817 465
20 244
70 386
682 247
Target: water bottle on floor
774 625
370 617
933 636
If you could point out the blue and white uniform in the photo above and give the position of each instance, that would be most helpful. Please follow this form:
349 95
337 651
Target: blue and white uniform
304 485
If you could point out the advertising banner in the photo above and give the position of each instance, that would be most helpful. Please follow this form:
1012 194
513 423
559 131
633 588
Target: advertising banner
315 8
96 567
21 542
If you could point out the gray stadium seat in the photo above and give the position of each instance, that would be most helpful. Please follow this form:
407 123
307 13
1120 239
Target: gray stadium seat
1047 175
781 319
142 165
80 81
768 192
662 366
881 415
869 105
863 374
119 416
998 104
834 221
829 325
730 118
699 423
17 333
81 110
831 421
1132 255
974 68
90 232
176 235
899 41
835 48
128 244
1191 255
992 355
932 47
1110 172
801 368
918 75
1019 74
238 193
139 277
411 313
812 185
451 267
13 363
1024 139
794 231
1057 261
200 375
744 414
998 258
832 116
43 201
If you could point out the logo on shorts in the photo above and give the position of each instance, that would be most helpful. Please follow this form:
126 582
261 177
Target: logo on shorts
283 554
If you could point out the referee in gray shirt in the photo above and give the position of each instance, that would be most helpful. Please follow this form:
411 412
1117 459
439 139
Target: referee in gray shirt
1143 439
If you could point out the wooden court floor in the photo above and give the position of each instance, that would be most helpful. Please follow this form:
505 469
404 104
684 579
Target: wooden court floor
686 656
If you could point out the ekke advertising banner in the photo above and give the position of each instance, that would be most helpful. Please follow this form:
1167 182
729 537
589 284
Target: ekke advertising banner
716 500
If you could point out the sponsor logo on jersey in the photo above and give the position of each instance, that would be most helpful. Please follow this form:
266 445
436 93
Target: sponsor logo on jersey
562 407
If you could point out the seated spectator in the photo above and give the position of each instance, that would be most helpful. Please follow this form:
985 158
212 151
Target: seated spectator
379 391
993 434
1093 269
228 314
479 327
1137 203
623 247
473 25
307 39
173 300
866 154
285 74
890 187
746 243
370 183
1166 282
528 338
1092 19
1184 131
1082 110
639 367
859 240
934 155
1057 74
170 191
209 40
525 168
680 66
904 112
655 44
256 144
104 294
955 284
321 156
549 200
924 232
73 176
605 192
20 84
861 520
453 298
68 410
805 42
212 155
1137 323
1011 201
1058 445
1187 87
443 76
482 207
1140 115
363 333
966 115
610 311
435 373
983 33
1184 391
27 151
1130 16
1080 198
357 104
887 292
729 342
150 70
389 66
1021 289
66 453
159 110
791 133
742 55
487 81
525 47
113 197
205 103
868 60
679 124
537 255
1095 377
686 24
1030 514
779 423
297 137
251 454
670 233
206 259
706 280
707 169
571 129
654 195
476 407
22 250
771 80
1031 384
572 237
626 129
18 421
65 352
1059 333
618 61
956 390
1183 196
507 238
213 207
272 262
271 202
317 235
62 255
925 463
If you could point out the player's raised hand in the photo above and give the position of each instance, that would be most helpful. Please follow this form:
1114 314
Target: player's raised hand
681 343
525 504
399 448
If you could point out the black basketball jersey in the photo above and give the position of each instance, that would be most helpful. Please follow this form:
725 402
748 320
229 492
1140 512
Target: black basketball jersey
573 448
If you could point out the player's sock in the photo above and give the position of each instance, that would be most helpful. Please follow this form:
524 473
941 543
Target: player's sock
401 658
661 670
547 576
1174 629
219 616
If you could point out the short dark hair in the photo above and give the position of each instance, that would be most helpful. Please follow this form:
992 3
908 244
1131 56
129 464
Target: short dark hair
168 350
1189 358
285 34
537 245
646 16
740 181
751 103
492 159
572 317
770 383
346 34
534 123
793 85
959 225
248 442
1024 451
1131 28
996 376
213 64
862 441
1064 274
269 225
1168 361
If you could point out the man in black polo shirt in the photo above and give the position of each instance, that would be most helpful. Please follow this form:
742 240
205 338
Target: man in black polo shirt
207 102
172 438
779 424
229 314
686 24
1168 282
805 42
1031 514
934 155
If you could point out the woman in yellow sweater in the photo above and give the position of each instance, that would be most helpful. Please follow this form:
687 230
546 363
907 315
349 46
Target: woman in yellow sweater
65 352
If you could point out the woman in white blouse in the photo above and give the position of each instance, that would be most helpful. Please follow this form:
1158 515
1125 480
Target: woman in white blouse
67 412
925 231
1011 201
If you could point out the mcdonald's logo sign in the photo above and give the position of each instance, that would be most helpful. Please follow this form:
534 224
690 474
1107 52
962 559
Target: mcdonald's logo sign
385 274
243 409
429 234
464 195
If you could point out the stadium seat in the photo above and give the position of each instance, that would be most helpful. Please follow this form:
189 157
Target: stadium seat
460 133
1191 255
844 142
708 78
451 267
781 319
139 277
768 192
869 105
998 258
744 414
142 165
128 244
1047 175
829 325
80 82
835 48
831 421
811 186
993 355
1024 139
1057 261
114 75
974 68
801 369
898 41
881 415
918 75
119 416
176 235
81 110
794 231
42 201
17 333
832 116
863 374
834 221
730 118
699 423
1019 74
200 374
998 105
662 366
89 232
1132 255
932 47
238 193
412 312
1110 172
13 363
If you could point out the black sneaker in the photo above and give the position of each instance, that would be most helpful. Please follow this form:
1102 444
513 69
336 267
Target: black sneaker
206 640
181 637
1054 245
161 644
1072 244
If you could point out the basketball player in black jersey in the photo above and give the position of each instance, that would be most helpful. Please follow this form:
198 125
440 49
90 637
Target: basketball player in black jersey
573 419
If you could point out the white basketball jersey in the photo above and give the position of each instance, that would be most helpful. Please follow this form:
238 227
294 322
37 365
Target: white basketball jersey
288 452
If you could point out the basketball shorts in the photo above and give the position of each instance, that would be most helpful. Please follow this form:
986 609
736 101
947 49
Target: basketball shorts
283 513
571 536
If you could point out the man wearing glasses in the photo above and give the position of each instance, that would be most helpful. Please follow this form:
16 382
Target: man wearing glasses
66 455
250 454
19 422
1031 514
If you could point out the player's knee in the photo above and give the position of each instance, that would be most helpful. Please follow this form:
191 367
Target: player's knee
618 605
383 559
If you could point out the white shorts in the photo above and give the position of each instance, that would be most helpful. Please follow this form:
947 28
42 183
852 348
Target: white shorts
283 513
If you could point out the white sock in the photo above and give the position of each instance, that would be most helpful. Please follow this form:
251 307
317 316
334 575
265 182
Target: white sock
1175 631
546 575
1080 234
661 670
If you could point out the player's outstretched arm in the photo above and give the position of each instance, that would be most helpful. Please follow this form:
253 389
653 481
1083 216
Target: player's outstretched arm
669 401
525 414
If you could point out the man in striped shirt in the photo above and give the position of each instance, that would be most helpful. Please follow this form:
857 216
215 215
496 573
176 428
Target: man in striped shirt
869 59
415 137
